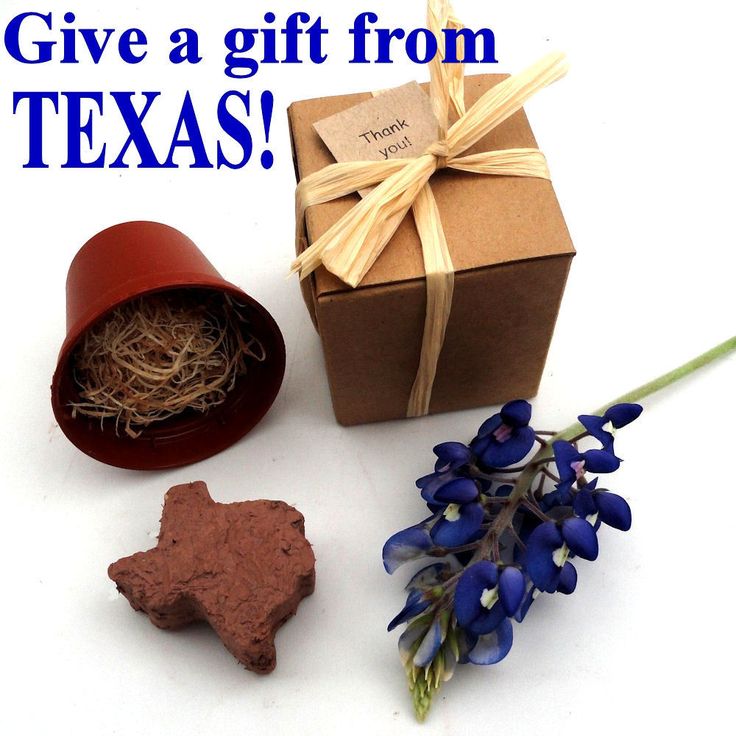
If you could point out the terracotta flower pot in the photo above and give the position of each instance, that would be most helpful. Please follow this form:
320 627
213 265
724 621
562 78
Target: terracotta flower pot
128 261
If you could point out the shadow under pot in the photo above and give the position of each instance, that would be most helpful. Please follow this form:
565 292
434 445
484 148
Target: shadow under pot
164 363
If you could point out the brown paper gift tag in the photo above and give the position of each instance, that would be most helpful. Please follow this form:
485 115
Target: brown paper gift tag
398 123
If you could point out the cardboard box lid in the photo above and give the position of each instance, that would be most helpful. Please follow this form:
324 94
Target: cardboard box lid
488 220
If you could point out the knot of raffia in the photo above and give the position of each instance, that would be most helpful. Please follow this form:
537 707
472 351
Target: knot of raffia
441 152
351 246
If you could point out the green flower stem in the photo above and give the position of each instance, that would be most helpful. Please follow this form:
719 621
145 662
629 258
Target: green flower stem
657 384
535 465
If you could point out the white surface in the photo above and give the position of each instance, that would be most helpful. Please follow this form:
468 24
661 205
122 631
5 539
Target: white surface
638 137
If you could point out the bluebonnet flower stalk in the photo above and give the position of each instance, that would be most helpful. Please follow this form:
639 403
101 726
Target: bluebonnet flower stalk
507 525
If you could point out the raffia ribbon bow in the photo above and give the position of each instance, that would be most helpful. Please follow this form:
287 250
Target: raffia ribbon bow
351 246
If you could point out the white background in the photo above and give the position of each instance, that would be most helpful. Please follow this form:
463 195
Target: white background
639 139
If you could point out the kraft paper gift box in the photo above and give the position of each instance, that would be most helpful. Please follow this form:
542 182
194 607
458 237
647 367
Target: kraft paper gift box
511 252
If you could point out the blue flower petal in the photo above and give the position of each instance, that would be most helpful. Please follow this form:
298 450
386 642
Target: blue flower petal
459 490
433 482
493 647
613 510
565 456
448 533
489 426
425 480
600 461
562 496
529 522
485 485
476 578
510 451
430 645
517 413
511 588
436 480
451 455
408 544
504 491
568 579
594 425
622 414
619 416
488 620
479 444
549 500
465 642
543 541
584 504
526 603
580 537
415 604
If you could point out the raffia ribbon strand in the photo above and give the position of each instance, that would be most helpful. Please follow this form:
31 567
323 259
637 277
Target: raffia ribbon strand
440 287
351 246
